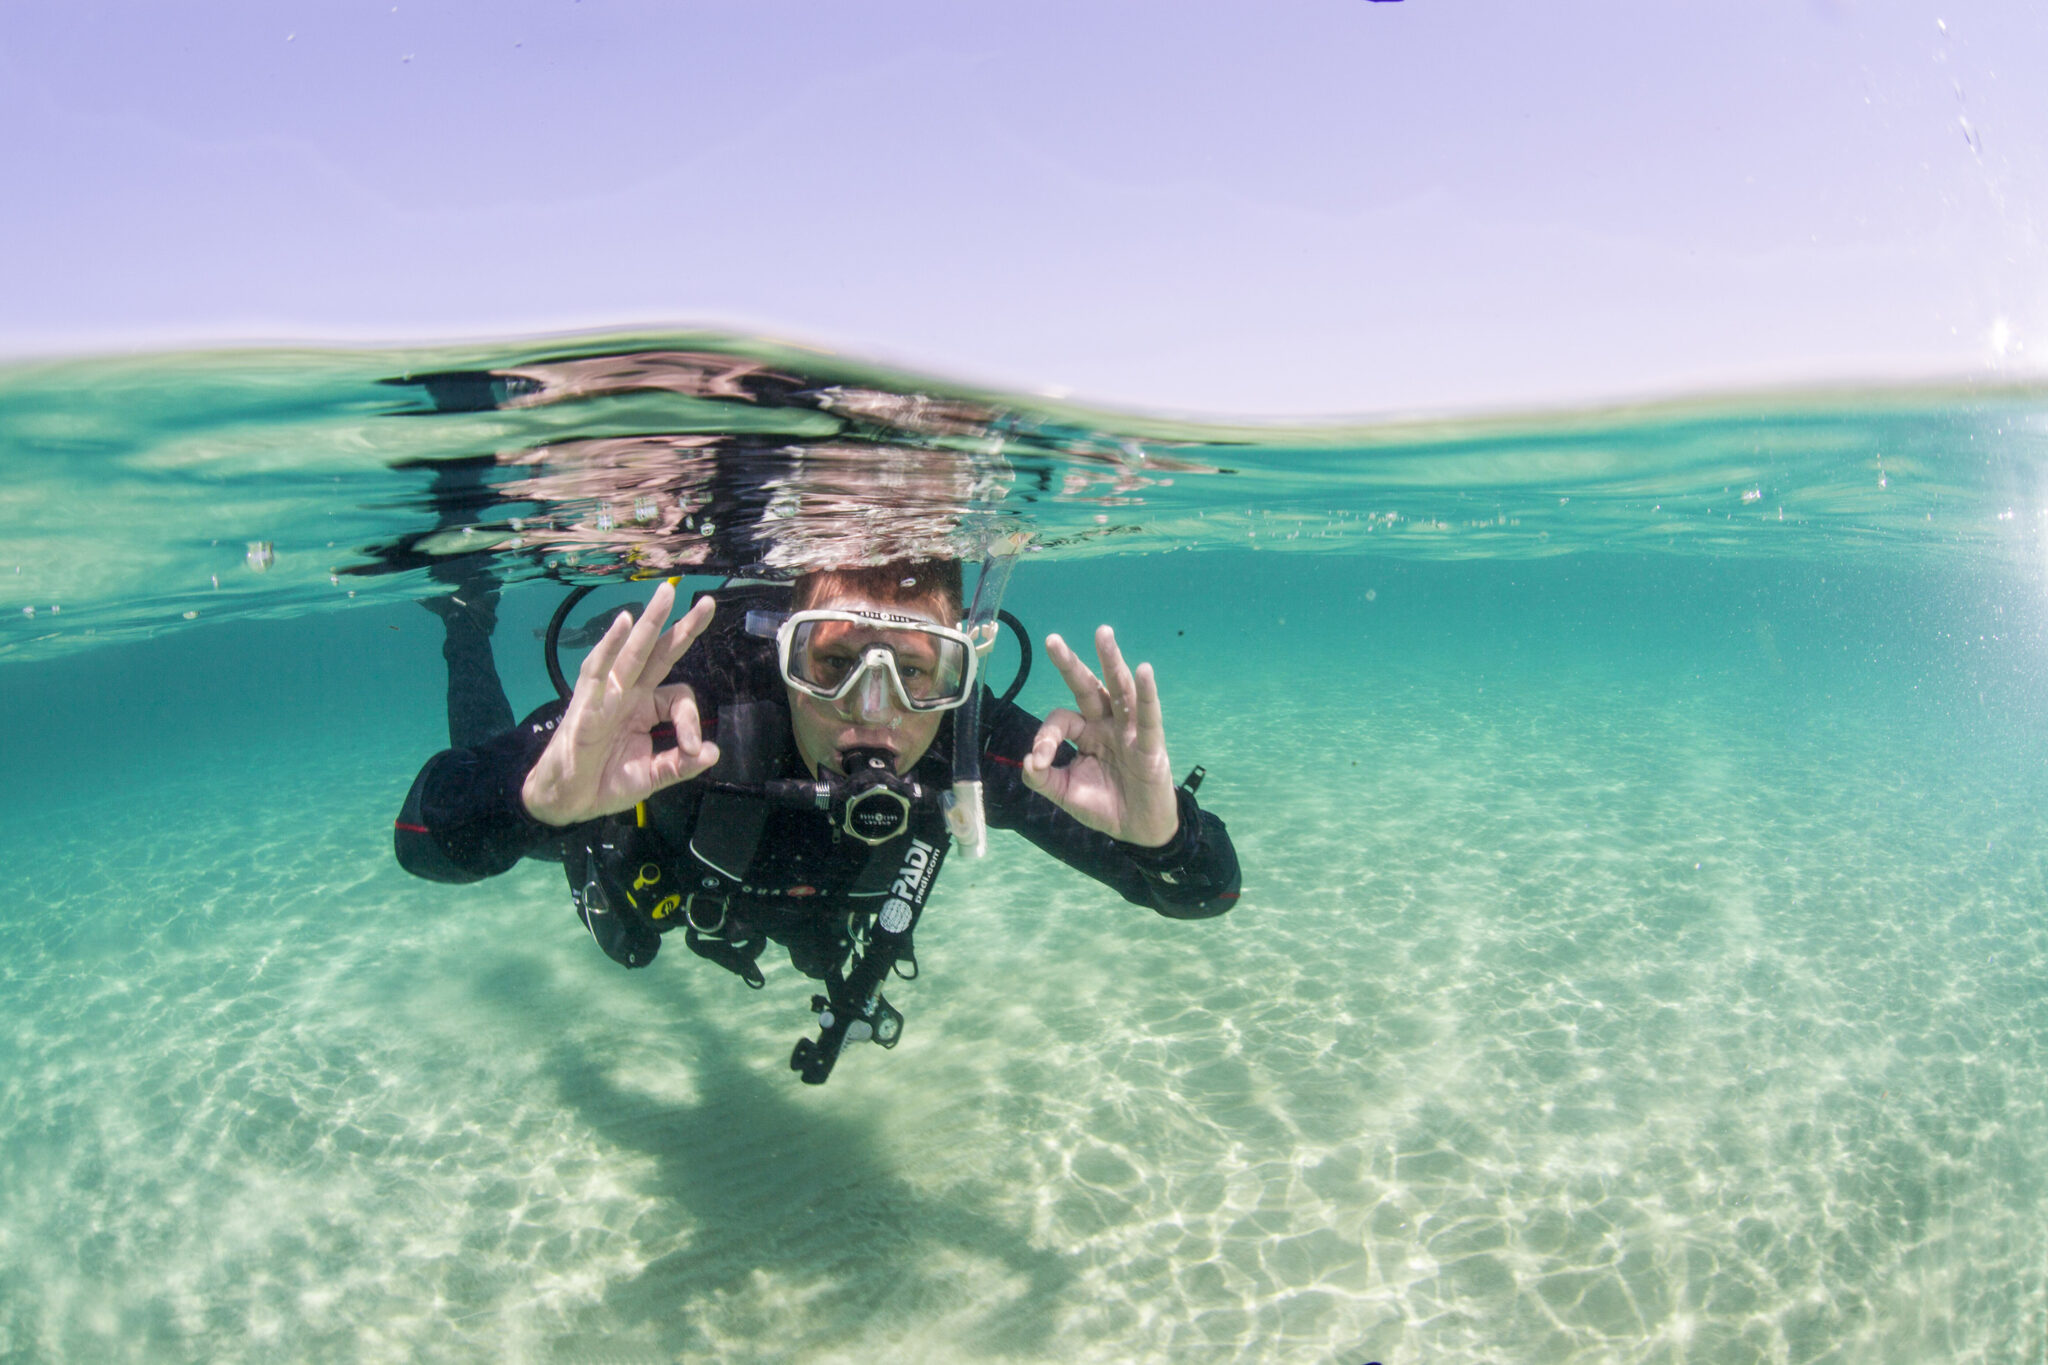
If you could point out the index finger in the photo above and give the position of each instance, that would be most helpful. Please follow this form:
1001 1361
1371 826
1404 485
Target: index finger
1088 691
640 641
680 637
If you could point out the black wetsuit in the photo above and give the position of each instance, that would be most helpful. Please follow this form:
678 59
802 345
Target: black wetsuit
464 820
745 872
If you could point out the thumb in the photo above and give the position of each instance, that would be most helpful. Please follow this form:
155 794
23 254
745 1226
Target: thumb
1045 745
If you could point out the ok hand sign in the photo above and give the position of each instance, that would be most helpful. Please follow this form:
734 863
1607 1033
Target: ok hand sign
602 756
1122 783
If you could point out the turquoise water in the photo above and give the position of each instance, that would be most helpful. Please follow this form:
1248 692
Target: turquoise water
1643 956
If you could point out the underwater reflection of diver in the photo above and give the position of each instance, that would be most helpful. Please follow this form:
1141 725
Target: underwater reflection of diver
838 728
477 708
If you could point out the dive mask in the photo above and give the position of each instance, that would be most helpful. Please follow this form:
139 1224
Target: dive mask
835 654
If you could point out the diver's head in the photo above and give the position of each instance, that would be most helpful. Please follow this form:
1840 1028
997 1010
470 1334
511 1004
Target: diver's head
880 641
930 588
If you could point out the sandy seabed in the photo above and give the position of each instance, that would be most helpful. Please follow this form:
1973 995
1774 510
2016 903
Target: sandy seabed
1569 1024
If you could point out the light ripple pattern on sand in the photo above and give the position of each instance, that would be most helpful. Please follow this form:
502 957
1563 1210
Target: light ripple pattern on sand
1695 1025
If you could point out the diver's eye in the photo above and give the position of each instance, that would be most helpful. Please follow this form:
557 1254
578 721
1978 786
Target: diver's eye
832 668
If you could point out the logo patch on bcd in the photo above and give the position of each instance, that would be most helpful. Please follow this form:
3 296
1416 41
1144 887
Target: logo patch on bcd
917 871
895 916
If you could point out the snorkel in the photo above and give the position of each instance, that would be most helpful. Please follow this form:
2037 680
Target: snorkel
962 805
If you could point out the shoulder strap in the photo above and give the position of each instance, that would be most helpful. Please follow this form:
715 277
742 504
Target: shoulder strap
753 741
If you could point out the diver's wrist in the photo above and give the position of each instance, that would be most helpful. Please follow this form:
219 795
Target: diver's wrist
1174 849
1140 846
530 797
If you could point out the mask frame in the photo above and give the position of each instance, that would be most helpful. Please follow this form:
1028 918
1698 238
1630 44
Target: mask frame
878 656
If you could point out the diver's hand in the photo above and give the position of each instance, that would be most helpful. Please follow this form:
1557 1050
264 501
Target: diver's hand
602 756
1122 783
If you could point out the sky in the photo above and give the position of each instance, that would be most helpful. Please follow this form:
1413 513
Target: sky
1317 208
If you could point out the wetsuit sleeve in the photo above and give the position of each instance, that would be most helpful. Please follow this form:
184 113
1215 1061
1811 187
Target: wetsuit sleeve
1195 876
464 820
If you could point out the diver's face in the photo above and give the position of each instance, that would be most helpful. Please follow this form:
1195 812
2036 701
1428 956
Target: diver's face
871 716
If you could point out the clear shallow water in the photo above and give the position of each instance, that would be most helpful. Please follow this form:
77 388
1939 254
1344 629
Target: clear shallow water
1644 954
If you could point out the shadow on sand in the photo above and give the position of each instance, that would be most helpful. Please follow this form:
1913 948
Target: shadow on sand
784 1203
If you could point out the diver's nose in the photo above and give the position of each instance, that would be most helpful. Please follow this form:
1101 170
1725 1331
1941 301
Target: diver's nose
870 702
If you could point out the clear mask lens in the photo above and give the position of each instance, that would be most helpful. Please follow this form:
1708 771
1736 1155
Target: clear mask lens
861 663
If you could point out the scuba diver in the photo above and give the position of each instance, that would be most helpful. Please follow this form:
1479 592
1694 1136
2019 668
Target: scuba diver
776 767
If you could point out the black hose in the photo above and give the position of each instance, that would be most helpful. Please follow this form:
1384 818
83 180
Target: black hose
551 651
1024 659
